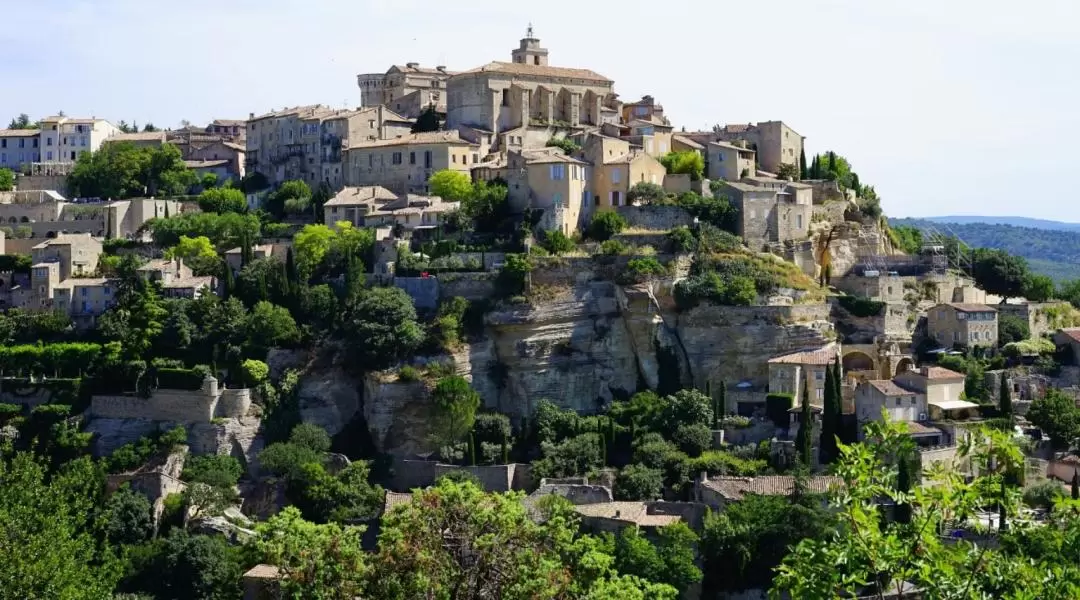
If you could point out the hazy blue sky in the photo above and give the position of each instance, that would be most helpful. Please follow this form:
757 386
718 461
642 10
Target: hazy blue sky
946 106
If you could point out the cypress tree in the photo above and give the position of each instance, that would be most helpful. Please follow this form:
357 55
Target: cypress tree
829 422
804 443
603 449
1005 406
721 399
472 449
1076 484
903 484
166 210
803 172
832 161
229 284
505 451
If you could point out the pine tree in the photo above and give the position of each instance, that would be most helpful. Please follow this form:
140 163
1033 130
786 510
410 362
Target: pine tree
903 484
803 172
804 443
1005 406
829 422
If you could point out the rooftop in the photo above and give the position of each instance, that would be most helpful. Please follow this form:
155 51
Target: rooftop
428 137
1073 333
634 512
548 155
361 195
731 146
687 142
206 164
971 308
19 132
939 373
189 283
918 429
140 136
415 68
889 387
527 70
817 356
263 572
736 488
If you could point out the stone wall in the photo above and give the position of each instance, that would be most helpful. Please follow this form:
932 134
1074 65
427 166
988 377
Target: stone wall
182 406
1033 313
424 291
759 431
156 481
471 286
576 493
489 260
833 212
677 183
656 218
558 270
413 474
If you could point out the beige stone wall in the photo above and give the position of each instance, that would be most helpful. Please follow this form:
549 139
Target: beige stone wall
404 168
777 144
945 325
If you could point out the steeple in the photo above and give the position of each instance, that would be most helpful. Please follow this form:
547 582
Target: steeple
530 52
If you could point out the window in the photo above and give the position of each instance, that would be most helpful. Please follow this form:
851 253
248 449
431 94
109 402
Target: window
911 400
616 175
585 198
820 393
371 123
798 221
648 146
898 402
615 199
453 158
986 335
333 210
371 161
506 97
641 110
719 158
412 158
427 159
3 143
48 142
475 158
956 336
558 172
819 376
72 156
82 141
48 155
82 291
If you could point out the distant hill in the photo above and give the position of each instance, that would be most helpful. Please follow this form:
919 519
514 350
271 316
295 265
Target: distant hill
1050 251
1016 221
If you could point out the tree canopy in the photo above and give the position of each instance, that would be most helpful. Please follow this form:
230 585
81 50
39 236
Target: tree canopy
452 186
122 170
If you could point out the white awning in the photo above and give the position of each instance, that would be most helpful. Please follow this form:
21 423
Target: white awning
953 404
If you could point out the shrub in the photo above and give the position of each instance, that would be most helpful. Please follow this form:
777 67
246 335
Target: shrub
8 412
511 279
1043 494
567 145
693 439
614 248
645 192
639 270
682 239
605 224
179 379
408 374
311 436
491 428
254 372
861 307
638 482
715 462
213 469
557 243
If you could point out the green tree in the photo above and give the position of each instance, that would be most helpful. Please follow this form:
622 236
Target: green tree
557 242
685 407
197 253
46 532
803 172
321 562
638 482
1038 288
222 200
381 326
129 518
455 403
804 439
137 318
605 224
254 372
182 566
293 196
830 420
427 121
22 122
1000 273
312 244
452 186
688 162
904 481
208 181
7 180
225 231
788 171
270 325
645 192
1075 491
1057 416
453 540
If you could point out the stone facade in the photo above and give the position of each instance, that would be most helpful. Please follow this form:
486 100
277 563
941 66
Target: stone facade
407 89
404 164
419 474
963 324
182 406
1032 313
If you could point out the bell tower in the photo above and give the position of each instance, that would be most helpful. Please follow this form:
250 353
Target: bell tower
530 52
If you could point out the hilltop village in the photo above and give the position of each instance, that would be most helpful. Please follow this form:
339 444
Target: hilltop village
671 343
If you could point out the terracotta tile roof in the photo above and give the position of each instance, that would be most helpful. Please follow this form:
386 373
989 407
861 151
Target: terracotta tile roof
232 146
395 499
817 356
687 142
140 136
229 122
428 137
263 572
194 283
737 128
939 373
526 70
966 307
361 195
548 155
915 428
736 488
632 512
1073 333
20 132
889 388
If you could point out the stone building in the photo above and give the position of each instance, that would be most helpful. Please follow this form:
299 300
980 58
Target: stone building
549 180
375 206
615 167
74 254
500 96
406 89
19 148
964 324
770 210
775 142
645 109
227 159
355 127
789 372
63 139
730 161
719 491
404 164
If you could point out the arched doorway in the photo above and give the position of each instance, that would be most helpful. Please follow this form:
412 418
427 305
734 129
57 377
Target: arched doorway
905 365
858 361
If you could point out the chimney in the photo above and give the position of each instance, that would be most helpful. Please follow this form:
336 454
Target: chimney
251 116
618 514
412 65
441 68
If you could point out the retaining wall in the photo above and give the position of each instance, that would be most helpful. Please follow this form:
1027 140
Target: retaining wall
658 218
471 286
173 405
411 474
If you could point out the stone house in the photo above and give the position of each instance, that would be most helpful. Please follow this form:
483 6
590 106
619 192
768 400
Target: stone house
404 164
1035 314
653 135
788 373
19 148
63 139
963 324
549 180
615 167
375 206
719 491
231 153
613 517
775 142
646 108
681 143
773 212
358 126
916 397
234 256
140 139
74 254
730 161
1068 341
500 96
407 89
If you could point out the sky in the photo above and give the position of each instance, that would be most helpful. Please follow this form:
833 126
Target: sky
947 107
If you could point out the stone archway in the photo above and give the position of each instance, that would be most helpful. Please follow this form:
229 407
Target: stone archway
904 365
856 360
50 234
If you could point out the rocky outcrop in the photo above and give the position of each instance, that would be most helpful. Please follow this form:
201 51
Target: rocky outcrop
398 415
280 360
329 398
